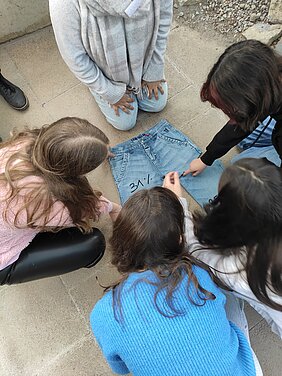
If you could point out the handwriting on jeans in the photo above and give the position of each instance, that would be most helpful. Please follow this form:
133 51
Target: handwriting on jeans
140 183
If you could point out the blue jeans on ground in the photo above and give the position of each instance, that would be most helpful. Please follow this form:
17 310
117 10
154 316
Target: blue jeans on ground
142 162
262 148
125 122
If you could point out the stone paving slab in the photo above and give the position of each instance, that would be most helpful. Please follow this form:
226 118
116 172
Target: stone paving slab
44 324
38 321
275 11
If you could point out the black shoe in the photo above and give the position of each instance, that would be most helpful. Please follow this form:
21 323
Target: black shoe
13 95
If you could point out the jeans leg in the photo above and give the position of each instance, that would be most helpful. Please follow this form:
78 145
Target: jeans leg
234 308
153 105
174 152
268 152
123 122
51 254
264 140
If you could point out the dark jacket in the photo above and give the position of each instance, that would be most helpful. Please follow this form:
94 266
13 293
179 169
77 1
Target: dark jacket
231 134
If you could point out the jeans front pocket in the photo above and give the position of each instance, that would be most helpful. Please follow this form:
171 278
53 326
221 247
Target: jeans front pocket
174 138
118 165
134 171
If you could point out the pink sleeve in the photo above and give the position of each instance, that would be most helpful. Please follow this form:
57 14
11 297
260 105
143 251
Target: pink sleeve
106 206
59 216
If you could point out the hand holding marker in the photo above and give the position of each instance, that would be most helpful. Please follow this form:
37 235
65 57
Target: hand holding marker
180 176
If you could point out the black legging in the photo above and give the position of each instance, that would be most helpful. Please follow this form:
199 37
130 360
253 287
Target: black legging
51 254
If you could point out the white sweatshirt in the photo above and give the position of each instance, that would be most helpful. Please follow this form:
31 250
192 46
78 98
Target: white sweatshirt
226 269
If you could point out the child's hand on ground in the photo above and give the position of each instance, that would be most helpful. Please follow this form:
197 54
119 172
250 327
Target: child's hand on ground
153 88
172 182
123 104
196 167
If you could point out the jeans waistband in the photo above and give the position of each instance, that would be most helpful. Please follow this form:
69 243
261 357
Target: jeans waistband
135 141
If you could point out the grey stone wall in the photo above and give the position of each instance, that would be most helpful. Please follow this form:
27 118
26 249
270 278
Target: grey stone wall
19 17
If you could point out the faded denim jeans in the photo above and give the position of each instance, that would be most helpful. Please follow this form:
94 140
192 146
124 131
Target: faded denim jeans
262 148
125 122
142 162
234 308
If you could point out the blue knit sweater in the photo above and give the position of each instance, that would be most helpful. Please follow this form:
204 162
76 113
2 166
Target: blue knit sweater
200 342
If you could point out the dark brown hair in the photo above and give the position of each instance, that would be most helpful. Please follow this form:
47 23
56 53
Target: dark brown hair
246 83
149 235
246 216
59 154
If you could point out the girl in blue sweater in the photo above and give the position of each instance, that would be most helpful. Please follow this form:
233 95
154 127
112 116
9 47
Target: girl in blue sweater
165 316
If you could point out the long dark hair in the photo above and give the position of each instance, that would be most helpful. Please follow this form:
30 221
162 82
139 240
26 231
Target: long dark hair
247 213
246 83
149 235
59 154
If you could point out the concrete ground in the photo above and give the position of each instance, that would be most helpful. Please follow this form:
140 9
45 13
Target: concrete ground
44 327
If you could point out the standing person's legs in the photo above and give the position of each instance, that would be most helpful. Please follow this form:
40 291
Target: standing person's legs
123 122
51 254
153 104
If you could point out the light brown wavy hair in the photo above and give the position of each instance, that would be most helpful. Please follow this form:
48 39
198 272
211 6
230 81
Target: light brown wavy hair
60 154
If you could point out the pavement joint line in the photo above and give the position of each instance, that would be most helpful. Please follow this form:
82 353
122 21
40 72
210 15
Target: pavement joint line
26 80
60 94
176 67
181 92
186 87
254 325
78 309
65 351
28 35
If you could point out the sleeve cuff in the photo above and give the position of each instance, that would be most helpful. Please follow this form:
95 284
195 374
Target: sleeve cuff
106 206
118 367
154 73
184 203
110 206
207 159
112 94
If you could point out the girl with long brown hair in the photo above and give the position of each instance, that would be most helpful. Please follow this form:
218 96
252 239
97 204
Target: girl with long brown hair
246 84
239 235
165 316
44 189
